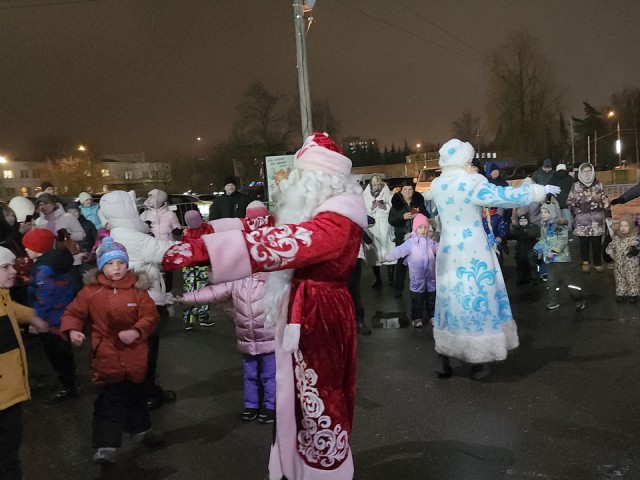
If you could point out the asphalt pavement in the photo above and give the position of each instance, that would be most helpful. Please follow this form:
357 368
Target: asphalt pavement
563 406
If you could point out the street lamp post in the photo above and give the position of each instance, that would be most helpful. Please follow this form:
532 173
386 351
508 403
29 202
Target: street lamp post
612 114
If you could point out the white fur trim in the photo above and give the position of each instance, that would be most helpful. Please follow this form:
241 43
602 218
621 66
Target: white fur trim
348 205
477 349
291 337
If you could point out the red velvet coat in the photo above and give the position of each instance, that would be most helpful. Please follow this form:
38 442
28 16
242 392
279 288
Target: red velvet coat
110 307
323 251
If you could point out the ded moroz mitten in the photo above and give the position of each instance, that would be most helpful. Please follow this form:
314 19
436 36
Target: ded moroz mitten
185 254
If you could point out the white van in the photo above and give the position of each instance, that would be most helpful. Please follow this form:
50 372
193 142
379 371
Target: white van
426 176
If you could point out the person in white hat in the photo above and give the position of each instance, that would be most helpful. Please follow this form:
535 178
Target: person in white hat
311 252
473 320
13 367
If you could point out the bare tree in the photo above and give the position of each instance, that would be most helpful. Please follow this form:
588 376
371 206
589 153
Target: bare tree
324 120
524 101
467 128
265 120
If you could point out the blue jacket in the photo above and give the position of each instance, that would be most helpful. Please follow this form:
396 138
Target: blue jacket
53 284
91 214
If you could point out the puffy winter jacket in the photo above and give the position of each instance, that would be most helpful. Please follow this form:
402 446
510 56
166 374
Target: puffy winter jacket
14 377
62 220
91 214
111 307
420 253
163 222
589 206
399 207
118 211
53 285
247 294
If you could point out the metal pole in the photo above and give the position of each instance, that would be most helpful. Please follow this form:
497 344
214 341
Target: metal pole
301 64
619 146
588 149
573 144
595 148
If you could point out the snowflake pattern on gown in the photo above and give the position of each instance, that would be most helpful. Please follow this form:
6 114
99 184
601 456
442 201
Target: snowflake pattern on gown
317 441
276 247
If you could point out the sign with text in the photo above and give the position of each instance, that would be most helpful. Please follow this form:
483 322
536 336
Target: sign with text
276 168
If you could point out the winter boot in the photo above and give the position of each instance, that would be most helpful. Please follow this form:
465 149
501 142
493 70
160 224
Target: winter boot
391 271
480 370
445 370
378 281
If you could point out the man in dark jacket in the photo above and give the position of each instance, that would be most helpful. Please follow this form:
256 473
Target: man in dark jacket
232 204
543 175
562 179
405 205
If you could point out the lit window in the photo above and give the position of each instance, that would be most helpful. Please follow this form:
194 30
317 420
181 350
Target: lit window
494 155
104 172
7 174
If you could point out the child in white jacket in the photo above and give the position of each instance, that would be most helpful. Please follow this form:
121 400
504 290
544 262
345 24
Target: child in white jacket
255 342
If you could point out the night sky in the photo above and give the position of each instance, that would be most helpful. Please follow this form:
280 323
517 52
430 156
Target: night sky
151 75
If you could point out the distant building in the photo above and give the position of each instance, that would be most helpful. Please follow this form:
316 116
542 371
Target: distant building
351 145
115 172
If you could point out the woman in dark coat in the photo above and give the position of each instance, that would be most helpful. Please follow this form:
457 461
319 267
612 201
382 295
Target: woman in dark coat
405 205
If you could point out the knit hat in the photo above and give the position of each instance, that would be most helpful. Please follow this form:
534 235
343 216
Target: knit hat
39 240
193 219
560 166
45 185
72 206
633 231
45 198
321 154
455 153
523 216
256 209
547 164
111 250
419 221
6 256
494 166
230 179
84 196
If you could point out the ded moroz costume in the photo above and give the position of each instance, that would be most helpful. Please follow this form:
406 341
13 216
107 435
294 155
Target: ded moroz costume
311 251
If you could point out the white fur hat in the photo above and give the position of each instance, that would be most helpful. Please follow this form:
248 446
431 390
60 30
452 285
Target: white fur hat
6 256
321 154
455 153
560 166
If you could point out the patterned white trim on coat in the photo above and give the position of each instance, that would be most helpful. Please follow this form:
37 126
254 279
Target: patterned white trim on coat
276 247
316 441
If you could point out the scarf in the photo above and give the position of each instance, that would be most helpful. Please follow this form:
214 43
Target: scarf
588 175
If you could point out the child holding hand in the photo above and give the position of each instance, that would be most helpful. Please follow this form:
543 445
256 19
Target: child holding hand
624 251
122 315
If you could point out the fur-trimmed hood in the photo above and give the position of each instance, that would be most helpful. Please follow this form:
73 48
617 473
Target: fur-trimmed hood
133 279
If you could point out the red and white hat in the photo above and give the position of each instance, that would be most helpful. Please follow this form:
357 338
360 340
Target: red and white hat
321 154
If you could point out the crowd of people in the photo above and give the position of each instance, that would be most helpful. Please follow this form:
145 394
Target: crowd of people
293 277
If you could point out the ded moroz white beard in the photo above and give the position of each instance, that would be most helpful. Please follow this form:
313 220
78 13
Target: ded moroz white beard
301 194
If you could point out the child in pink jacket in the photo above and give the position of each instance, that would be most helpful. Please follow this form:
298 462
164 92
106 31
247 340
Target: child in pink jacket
255 342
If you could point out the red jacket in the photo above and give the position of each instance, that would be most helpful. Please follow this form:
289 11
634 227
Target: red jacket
111 307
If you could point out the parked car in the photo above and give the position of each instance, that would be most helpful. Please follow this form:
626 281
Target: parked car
395 183
181 203
255 192
519 173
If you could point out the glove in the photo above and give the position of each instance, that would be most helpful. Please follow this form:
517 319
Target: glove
633 252
185 254
616 201
552 189
291 337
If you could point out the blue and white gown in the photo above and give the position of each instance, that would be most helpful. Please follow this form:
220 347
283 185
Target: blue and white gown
473 320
